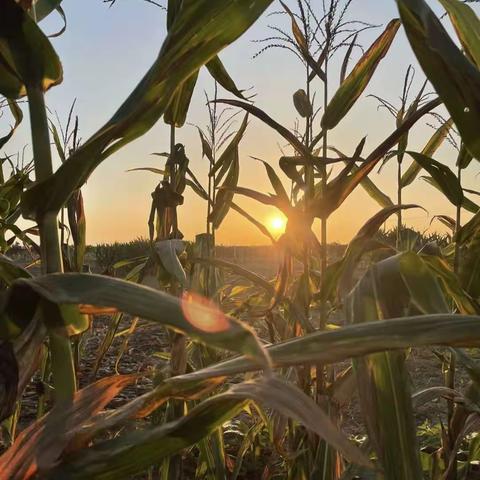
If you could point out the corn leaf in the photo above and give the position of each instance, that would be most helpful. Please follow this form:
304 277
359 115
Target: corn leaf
455 77
134 452
182 54
356 82
447 181
429 150
39 446
467 27
339 274
17 116
384 385
224 198
27 57
191 318
42 8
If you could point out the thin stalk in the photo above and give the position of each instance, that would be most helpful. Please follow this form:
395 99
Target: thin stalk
309 182
399 202
51 254
172 155
452 365
458 224
324 221
214 156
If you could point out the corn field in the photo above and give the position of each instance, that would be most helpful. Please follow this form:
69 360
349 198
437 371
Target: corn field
257 374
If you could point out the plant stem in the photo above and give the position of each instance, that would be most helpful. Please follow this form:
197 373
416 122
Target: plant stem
51 254
324 220
458 224
172 156
399 202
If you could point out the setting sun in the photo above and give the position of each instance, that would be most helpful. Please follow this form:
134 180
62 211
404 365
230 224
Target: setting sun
277 224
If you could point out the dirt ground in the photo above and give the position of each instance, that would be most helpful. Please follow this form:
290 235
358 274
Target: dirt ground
143 355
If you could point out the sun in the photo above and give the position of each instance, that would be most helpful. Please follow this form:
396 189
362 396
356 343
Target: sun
277 224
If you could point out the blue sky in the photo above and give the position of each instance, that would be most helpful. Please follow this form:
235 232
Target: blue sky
105 52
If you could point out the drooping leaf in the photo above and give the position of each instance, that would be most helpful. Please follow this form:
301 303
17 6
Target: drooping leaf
40 9
467 204
39 447
429 150
339 275
448 182
210 326
17 116
177 110
451 284
168 252
467 27
261 115
220 74
384 386
238 270
27 57
358 79
455 78
215 29
263 229
110 459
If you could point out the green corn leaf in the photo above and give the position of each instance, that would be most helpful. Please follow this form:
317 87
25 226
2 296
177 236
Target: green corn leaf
220 74
275 182
455 78
10 271
347 185
263 229
17 116
176 113
200 322
223 200
265 118
358 79
384 385
238 270
451 284
135 452
340 273
27 58
467 27
44 437
168 252
217 23
429 150
464 158
369 186
447 181
229 155
42 8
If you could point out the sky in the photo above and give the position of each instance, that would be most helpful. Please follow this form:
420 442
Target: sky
106 51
